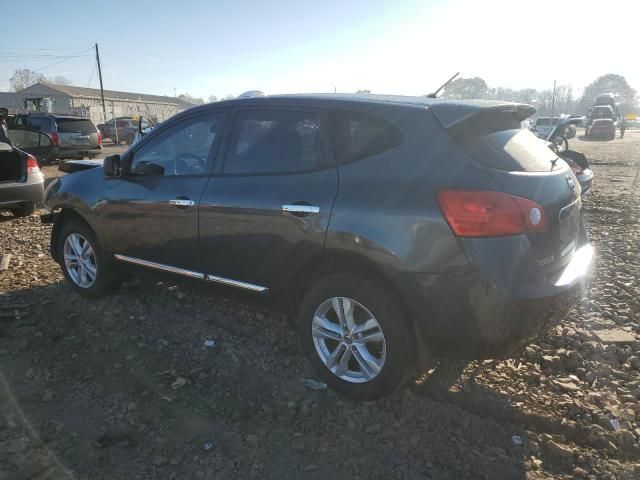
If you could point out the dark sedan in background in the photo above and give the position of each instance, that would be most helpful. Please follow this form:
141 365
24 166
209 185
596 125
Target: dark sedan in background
399 229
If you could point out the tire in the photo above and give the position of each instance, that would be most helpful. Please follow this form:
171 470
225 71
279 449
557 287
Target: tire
105 278
129 139
365 298
24 210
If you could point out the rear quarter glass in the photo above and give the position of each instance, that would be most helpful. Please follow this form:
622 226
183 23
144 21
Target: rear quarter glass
514 150
43 124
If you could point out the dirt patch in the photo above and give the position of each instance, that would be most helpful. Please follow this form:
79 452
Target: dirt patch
124 387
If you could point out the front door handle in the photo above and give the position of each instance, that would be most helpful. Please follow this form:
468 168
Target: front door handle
182 202
300 209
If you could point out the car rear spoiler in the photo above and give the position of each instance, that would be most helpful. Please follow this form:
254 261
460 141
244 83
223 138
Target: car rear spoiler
480 117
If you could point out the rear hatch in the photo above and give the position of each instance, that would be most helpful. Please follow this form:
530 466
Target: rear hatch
77 132
12 165
522 165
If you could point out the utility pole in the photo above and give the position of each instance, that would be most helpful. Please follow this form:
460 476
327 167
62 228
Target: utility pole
104 108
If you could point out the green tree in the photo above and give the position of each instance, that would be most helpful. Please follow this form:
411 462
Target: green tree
462 88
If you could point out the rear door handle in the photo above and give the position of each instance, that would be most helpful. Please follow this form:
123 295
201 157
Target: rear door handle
182 202
300 209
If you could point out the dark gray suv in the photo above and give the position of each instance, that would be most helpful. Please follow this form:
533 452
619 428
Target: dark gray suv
401 229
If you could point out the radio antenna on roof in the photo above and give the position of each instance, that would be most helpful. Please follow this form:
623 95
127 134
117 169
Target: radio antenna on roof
435 94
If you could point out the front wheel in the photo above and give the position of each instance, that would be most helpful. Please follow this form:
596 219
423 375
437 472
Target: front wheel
84 265
355 336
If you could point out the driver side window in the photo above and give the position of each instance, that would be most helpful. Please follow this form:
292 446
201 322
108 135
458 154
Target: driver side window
183 150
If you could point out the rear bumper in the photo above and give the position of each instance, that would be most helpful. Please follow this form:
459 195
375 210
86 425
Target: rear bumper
465 316
16 193
586 180
76 152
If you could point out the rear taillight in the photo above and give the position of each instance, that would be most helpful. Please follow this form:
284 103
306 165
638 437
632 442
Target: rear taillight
99 139
54 138
32 165
480 213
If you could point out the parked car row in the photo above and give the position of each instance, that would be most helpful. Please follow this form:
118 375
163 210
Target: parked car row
398 229
603 118
543 126
124 129
72 137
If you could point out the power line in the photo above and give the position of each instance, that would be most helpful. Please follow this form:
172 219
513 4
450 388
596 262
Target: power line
34 49
79 54
26 55
95 65
60 61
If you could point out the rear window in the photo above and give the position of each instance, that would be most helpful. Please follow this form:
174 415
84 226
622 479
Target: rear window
357 135
511 150
72 125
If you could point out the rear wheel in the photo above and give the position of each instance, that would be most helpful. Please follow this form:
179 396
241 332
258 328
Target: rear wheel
355 336
129 139
24 210
85 266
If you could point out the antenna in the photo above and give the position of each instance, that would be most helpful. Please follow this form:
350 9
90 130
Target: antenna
435 94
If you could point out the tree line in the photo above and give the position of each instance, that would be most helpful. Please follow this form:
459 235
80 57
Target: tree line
561 101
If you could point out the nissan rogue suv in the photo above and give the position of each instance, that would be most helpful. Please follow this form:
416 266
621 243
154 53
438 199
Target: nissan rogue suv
400 229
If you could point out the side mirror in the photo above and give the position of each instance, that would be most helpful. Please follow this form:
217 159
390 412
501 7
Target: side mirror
111 166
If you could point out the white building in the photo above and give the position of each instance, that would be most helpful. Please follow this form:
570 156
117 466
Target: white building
86 102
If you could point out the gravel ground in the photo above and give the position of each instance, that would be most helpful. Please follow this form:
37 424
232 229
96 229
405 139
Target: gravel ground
123 388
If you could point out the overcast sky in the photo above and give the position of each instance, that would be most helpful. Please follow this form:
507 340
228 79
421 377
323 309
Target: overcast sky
402 47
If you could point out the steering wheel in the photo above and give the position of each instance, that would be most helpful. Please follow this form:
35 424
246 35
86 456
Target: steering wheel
188 163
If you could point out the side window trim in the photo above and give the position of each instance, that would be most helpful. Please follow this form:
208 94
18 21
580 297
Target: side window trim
328 158
170 127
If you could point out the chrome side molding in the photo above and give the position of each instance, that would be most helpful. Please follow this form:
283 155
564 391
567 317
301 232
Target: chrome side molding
159 266
294 208
181 202
189 273
236 283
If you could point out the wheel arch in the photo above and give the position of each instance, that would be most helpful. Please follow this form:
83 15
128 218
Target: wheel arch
348 262
65 214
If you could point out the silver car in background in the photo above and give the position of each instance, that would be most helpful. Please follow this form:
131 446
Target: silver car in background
72 137
21 181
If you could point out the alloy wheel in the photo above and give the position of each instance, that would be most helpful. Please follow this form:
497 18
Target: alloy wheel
349 340
80 260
